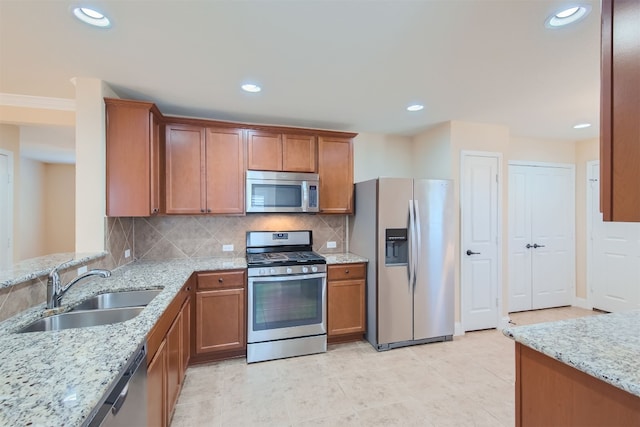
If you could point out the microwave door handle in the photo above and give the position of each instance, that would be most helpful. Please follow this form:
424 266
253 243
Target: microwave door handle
305 196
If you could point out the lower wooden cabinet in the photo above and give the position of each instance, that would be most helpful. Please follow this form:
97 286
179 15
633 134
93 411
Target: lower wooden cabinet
167 357
346 316
220 315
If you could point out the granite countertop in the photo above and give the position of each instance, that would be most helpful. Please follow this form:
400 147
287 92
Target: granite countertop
32 268
59 377
344 258
606 346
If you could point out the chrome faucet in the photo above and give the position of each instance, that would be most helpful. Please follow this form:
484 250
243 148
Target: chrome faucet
55 290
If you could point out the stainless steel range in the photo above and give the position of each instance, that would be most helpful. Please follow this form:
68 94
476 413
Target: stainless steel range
287 296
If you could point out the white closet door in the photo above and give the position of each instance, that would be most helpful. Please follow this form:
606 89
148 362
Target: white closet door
541 236
519 237
615 264
552 230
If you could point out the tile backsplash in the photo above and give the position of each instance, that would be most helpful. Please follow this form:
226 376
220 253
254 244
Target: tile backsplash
176 237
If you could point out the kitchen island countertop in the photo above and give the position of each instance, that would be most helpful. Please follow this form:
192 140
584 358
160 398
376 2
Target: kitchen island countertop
605 346
59 377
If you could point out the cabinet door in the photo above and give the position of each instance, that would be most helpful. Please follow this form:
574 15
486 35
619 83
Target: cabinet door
620 111
225 171
185 191
128 154
220 320
298 153
345 307
186 338
156 389
264 151
174 363
335 167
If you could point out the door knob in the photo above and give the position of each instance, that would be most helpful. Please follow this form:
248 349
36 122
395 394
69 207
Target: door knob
536 246
529 246
470 252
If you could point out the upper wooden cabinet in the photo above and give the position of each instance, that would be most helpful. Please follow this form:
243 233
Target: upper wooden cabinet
335 167
280 152
204 170
134 158
620 111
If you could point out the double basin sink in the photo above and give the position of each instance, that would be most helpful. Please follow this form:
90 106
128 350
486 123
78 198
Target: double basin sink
103 309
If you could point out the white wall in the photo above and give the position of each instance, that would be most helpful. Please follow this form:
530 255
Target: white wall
378 155
60 217
431 151
90 164
10 141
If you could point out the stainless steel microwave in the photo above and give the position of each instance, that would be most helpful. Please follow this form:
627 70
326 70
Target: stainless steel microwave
285 192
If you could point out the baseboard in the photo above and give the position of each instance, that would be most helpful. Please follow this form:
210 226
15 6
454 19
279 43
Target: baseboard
504 322
458 330
582 303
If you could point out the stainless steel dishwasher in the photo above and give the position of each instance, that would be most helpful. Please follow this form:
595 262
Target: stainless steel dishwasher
126 404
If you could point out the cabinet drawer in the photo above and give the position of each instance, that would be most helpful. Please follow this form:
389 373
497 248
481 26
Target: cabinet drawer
221 280
346 271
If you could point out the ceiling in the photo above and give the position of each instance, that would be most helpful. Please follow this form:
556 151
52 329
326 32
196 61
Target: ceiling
341 65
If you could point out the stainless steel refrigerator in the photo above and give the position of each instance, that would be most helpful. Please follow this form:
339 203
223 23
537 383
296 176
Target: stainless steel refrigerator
405 227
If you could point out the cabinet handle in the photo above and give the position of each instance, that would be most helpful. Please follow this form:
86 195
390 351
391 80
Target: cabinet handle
220 280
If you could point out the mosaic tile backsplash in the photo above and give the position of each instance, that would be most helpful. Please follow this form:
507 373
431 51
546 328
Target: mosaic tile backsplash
176 237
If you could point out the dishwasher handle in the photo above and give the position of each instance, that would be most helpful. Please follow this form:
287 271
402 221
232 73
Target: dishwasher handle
122 397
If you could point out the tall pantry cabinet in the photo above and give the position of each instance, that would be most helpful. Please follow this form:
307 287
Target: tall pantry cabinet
620 111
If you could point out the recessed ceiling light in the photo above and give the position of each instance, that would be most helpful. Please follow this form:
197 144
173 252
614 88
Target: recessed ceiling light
91 17
582 125
567 16
415 107
249 87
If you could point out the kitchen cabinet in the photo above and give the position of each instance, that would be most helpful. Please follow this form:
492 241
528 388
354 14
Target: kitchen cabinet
551 393
204 170
620 111
335 167
346 315
166 356
273 151
133 158
220 317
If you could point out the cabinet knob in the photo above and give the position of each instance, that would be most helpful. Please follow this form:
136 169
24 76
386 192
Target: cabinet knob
220 280
346 271
202 210
188 289
209 210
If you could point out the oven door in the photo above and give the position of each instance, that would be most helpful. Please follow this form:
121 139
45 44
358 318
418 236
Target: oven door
283 307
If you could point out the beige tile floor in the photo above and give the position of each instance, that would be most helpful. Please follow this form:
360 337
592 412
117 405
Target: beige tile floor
466 382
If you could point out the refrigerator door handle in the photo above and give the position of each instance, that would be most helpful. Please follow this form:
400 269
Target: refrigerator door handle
418 233
410 265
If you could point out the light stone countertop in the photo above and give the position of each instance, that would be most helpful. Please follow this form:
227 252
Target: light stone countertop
606 346
32 268
343 258
59 377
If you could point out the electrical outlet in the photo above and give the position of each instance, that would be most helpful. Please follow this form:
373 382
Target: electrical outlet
127 253
82 270
331 245
227 248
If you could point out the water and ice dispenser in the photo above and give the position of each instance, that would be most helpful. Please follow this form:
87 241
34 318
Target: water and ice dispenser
397 246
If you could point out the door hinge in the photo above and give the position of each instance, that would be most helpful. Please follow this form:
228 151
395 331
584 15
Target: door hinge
497 300
496 178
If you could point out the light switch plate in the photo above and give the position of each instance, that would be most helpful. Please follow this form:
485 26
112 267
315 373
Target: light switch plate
331 245
227 248
127 253
82 270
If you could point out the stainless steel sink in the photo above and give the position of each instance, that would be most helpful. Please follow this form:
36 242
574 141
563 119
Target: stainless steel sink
82 319
118 300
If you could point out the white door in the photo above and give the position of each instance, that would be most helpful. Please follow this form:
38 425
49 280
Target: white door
6 207
479 257
614 265
541 236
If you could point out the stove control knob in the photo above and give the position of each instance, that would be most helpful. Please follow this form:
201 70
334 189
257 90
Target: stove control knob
261 272
272 271
314 269
305 270
289 271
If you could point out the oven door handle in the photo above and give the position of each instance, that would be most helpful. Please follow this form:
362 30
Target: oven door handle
289 277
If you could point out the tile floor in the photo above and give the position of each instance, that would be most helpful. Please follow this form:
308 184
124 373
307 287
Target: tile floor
466 382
